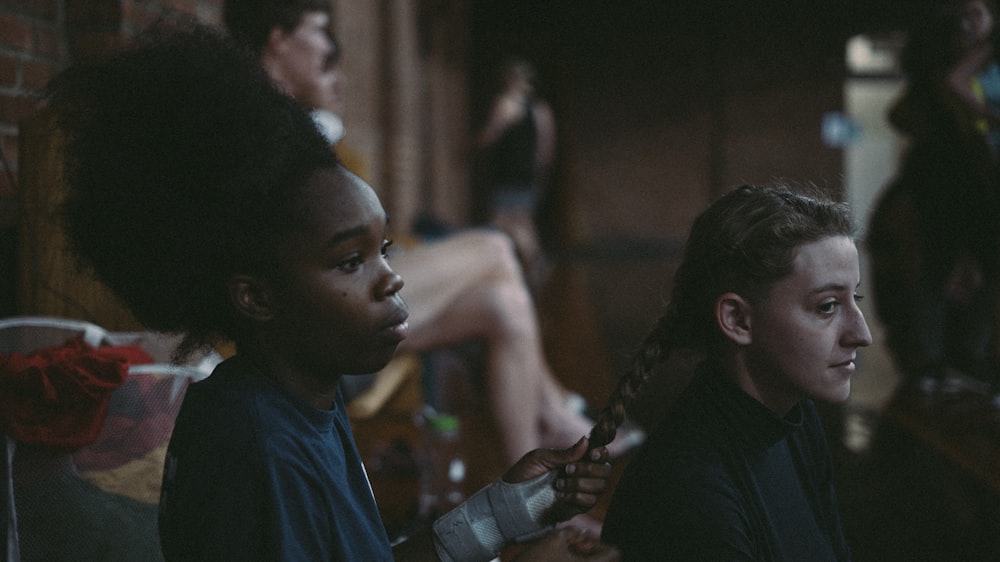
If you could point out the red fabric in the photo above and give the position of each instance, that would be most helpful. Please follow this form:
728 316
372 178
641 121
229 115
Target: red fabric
59 396
140 419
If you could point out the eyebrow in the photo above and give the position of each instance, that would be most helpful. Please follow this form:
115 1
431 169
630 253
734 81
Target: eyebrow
834 287
347 234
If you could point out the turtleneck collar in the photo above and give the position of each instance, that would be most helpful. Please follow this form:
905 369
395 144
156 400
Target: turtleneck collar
752 423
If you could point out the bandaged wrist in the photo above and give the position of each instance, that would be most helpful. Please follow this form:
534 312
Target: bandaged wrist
500 513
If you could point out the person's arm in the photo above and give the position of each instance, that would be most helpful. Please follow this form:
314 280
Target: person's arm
561 545
544 487
545 148
506 110
959 82
568 544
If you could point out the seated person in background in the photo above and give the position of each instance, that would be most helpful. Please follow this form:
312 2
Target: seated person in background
208 201
467 287
739 468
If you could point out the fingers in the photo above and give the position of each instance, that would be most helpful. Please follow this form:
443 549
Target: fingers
599 454
586 477
553 546
573 504
540 461
594 486
582 483
587 470
580 494
560 457
581 541
579 453
569 544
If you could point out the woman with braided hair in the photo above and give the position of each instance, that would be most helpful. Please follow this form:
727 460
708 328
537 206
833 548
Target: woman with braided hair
739 468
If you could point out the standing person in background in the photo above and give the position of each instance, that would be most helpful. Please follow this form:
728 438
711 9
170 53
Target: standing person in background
517 146
933 235
975 78
739 467
208 201
467 287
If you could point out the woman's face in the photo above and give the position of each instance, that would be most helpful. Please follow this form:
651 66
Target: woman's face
337 303
977 20
804 334
300 62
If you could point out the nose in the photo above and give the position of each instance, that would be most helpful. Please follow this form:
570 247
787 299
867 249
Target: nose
858 334
389 284
332 49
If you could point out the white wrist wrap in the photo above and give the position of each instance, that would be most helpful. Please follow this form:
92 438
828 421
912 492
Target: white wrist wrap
478 529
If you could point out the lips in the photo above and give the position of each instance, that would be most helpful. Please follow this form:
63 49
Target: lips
847 365
396 327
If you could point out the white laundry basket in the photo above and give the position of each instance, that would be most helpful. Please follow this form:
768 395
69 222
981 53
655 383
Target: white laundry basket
97 502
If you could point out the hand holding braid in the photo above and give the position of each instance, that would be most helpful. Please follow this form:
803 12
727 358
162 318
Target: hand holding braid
544 487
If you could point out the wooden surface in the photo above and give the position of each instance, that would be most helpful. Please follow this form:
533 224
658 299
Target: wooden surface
49 281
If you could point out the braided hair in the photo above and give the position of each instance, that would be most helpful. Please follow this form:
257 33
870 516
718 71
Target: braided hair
743 243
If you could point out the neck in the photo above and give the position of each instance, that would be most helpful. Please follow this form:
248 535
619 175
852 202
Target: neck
303 383
274 70
760 386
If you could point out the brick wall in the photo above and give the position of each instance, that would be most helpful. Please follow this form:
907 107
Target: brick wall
39 37
32 49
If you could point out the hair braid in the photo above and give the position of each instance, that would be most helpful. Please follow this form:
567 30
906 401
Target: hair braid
655 348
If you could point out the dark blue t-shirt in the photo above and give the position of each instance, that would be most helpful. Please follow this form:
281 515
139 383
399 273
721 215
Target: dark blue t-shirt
254 473
724 478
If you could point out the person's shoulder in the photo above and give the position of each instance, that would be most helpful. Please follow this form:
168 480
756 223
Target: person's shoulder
682 438
687 505
697 426
229 386
691 454
678 462
222 406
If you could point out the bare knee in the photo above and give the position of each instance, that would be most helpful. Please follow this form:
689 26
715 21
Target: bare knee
508 311
498 249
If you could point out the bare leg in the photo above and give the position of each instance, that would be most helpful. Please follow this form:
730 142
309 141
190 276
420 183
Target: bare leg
519 224
470 287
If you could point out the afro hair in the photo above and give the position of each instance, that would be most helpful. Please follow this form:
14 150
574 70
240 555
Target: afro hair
182 160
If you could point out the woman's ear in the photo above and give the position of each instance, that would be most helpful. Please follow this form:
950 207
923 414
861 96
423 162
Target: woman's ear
251 297
276 39
732 314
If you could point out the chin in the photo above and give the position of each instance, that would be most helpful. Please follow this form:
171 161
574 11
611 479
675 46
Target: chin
840 394
369 364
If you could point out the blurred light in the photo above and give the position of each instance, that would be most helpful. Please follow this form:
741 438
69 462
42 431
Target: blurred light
838 130
869 55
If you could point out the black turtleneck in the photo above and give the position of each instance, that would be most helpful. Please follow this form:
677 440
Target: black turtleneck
724 478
